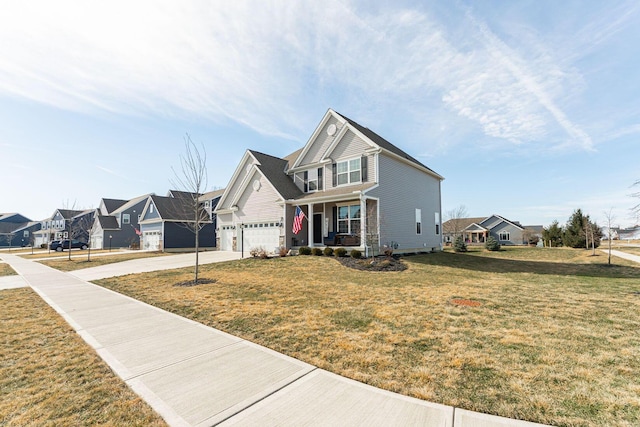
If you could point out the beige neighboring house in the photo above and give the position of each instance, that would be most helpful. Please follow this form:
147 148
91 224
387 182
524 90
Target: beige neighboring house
478 230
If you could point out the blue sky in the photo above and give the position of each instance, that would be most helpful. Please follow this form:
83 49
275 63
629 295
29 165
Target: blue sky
529 109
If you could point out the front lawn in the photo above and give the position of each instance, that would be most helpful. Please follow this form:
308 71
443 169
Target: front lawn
6 270
545 335
50 377
77 263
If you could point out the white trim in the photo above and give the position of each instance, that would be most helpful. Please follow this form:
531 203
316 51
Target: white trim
330 113
348 162
233 179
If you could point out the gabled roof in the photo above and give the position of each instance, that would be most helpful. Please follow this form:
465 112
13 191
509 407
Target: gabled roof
273 169
462 223
514 223
383 143
175 208
130 203
68 213
212 195
185 194
13 217
113 204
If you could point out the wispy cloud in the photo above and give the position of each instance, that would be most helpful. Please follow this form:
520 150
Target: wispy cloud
111 172
271 67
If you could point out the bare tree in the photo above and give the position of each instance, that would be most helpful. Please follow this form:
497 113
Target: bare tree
193 179
81 228
610 218
455 219
9 238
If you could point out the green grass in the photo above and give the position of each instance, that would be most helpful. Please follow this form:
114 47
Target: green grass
6 270
78 263
555 339
50 377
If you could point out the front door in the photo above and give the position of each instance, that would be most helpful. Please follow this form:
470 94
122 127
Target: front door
317 228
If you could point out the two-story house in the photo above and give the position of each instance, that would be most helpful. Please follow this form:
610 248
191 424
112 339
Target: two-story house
347 185
117 223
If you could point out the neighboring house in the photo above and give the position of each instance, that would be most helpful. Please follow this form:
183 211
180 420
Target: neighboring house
82 224
117 223
631 233
354 188
16 230
166 222
56 227
478 230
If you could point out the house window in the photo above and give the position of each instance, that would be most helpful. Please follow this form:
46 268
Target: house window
349 219
504 236
310 180
418 221
437 218
126 219
151 208
348 172
25 234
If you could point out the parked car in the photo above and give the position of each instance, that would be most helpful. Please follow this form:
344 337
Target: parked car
74 244
54 245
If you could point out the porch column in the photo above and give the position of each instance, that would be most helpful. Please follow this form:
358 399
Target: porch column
310 224
363 222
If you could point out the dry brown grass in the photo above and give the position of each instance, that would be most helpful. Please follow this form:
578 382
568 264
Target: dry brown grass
50 377
556 339
77 263
6 270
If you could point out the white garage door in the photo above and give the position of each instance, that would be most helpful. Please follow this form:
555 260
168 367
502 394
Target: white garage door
151 240
263 234
96 242
226 238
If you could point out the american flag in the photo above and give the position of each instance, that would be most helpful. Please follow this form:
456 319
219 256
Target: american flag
297 220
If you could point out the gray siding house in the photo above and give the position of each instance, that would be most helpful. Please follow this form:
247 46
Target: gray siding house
354 188
117 223
165 223
17 230
478 230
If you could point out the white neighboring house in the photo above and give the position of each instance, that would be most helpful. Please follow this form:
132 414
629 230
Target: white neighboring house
355 189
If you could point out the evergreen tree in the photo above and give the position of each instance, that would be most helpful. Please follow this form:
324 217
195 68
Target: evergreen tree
553 235
574 235
459 245
492 244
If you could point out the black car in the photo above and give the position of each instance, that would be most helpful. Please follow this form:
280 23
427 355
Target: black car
74 244
54 245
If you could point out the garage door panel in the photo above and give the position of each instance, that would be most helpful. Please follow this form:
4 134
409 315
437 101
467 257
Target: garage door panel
265 235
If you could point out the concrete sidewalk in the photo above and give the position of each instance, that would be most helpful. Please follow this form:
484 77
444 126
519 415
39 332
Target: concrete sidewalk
193 375
622 255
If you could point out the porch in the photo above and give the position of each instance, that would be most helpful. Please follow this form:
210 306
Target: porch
349 223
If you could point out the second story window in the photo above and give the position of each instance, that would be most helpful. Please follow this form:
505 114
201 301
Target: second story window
126 218
350 171
310 180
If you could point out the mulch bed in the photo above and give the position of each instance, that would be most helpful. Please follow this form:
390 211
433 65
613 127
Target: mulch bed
188 283
373 264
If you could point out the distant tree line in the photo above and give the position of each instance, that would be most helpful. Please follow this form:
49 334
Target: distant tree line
578 232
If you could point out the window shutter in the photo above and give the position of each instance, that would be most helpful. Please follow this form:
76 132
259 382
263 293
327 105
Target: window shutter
334 167
320 179
335 219
364 168
306 181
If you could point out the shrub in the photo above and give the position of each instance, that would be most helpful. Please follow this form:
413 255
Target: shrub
492 244
459 245
340 252
304 250
282 251
328 251
388 251
356 254
316 251
259 252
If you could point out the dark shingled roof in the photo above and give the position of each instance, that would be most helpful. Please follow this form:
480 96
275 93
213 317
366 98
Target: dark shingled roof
175 208
108 222
68 213
113 204
383 143
273 169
